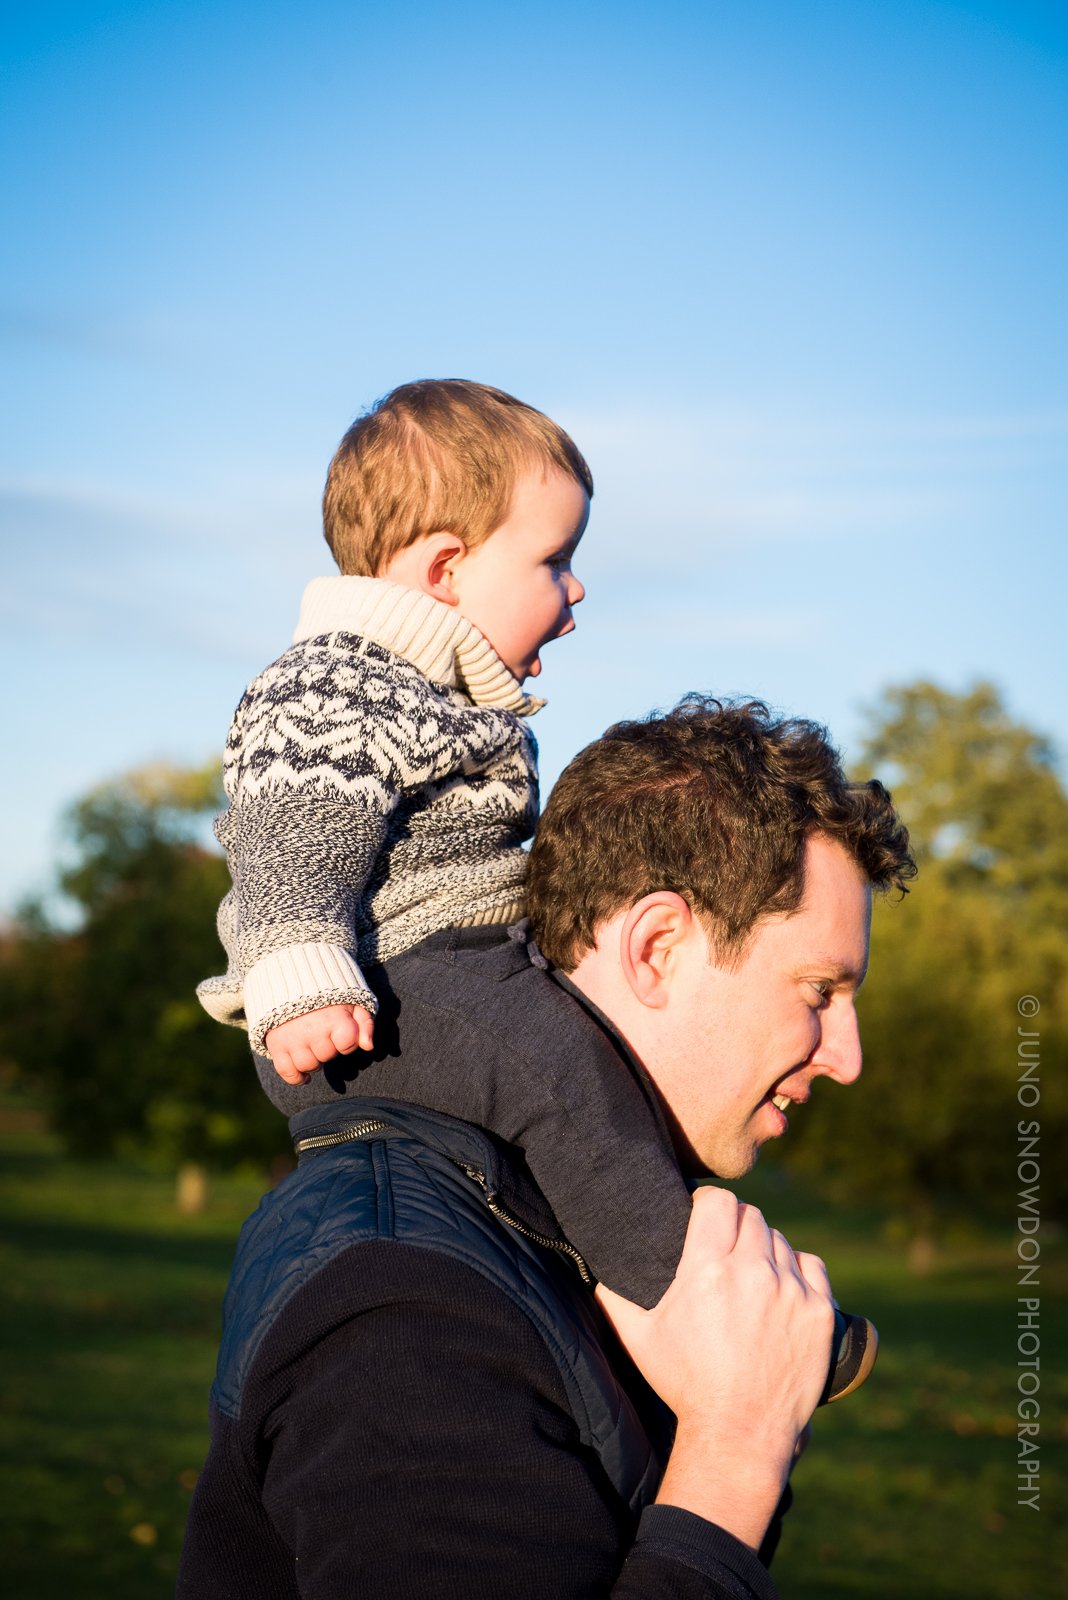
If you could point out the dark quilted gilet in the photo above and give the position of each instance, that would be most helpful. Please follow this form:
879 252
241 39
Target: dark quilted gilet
408 1184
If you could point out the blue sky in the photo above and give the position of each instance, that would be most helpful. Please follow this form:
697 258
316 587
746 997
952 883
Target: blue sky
792 275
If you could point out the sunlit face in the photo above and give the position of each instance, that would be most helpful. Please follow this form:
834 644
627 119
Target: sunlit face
518 587
772 1025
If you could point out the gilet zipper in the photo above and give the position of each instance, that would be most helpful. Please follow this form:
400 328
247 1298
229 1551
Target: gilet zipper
323 1141
561 1245
362 1130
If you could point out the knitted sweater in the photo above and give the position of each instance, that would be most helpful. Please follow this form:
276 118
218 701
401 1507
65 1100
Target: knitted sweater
416 1396
381 781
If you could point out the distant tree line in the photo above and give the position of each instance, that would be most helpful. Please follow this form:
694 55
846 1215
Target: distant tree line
101 1019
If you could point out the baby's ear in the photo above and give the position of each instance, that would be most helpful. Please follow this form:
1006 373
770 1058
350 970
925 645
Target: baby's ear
446 552
427 565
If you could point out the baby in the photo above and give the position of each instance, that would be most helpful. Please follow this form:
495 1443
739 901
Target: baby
380 775
381 779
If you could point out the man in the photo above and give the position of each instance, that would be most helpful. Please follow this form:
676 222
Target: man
417 1392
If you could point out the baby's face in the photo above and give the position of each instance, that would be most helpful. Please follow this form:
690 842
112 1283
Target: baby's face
518 587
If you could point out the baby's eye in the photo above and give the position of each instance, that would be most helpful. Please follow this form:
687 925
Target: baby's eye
560 563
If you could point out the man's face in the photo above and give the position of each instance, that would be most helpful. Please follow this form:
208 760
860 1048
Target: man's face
742 1038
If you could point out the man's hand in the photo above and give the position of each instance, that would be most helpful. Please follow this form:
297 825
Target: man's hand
738 1348
300 1046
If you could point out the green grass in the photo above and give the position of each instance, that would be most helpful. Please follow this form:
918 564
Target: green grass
108 1330
109 1319
909 1486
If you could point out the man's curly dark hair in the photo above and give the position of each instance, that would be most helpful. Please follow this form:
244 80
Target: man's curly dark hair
714 800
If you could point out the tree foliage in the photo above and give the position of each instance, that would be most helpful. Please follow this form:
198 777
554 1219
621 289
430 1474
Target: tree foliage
980 792
104 1019
932 1127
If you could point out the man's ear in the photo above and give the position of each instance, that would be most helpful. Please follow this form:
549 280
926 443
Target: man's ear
650 945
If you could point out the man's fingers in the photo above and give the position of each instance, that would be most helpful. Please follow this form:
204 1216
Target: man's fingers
743 1330
783 1255
628 1320
800 1264
714 1222
814 1272
753 1232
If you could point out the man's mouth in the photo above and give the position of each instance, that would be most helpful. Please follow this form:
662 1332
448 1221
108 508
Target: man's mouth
781 1101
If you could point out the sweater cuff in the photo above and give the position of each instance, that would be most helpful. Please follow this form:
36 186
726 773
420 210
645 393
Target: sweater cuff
297 979
669 1532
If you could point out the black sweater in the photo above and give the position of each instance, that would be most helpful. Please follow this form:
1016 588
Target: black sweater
396 1425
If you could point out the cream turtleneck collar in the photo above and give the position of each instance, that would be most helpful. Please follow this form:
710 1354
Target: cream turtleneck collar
434 637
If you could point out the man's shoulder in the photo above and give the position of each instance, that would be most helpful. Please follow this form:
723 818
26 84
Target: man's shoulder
383 1171
507 993
392 1204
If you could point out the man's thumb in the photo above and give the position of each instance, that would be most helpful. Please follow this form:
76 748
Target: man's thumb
629 1322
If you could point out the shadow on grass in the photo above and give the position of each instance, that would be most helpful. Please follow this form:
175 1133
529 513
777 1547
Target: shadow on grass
115 1245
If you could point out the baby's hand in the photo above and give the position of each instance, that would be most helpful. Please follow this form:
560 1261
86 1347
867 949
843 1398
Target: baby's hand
301 1045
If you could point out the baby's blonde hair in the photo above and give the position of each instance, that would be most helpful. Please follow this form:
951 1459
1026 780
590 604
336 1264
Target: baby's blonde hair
439 455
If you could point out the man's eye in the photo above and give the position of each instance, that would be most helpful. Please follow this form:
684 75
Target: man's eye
822 989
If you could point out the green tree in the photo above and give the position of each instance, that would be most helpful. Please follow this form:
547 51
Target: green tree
104 1020
931 1130
980 792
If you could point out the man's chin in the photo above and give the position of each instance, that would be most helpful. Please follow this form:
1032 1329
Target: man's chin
727 1165
714 1158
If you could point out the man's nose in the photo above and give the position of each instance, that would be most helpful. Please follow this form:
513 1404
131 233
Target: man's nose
839 1054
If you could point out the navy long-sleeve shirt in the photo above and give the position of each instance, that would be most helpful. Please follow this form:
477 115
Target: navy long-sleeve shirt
404 1432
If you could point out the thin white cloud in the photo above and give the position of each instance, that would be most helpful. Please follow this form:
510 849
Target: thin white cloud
244 509
65 499
91 562
664 438
691 484
692 626
152 336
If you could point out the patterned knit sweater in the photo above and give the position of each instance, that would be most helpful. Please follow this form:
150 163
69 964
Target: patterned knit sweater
381 780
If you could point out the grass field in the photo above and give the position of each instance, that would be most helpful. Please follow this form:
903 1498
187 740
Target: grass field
108 1331
909 1487
107 1340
